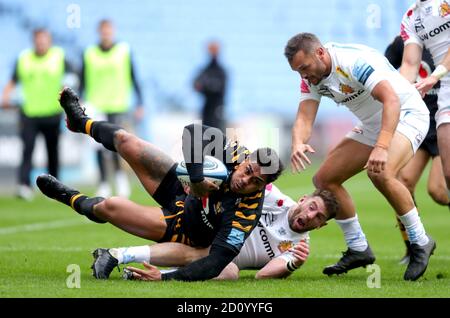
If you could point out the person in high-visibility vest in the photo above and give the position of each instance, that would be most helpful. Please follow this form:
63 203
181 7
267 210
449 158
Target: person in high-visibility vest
108 76
39 71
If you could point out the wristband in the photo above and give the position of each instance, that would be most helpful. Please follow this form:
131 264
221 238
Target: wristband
440 71
291 266
384 139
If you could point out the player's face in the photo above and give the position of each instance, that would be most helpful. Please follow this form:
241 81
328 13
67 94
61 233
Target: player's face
247 178
311 66
308 214
106 33
42 42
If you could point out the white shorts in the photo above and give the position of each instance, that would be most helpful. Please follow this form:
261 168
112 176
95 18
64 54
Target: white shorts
443 113
413 124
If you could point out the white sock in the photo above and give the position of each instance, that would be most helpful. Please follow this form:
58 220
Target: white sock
354 236
414 227
133 254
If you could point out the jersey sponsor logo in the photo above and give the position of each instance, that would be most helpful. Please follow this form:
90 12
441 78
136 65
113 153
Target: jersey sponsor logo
205 220
352 97
325 91
436 31
266 243
444 9
304 87
341 72
285 245
269 218
346 89
362 70
418 26
236 238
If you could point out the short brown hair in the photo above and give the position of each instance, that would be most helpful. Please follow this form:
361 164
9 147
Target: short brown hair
331 203
305 42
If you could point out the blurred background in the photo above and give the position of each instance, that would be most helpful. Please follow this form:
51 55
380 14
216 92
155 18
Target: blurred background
170 45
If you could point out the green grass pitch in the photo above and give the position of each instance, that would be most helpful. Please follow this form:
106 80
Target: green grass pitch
39 240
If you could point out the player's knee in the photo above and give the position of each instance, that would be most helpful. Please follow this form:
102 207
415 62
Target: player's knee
320 181
107 208
379 179
124 141
438 193
407 182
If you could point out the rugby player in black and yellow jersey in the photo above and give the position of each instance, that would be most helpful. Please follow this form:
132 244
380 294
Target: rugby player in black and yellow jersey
224 220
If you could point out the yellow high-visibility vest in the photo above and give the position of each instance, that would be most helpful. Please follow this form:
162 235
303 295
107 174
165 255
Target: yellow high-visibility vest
41 78
107 76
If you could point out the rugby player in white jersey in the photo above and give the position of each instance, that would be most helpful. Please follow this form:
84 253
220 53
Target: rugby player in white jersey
426 24
277 246
394 121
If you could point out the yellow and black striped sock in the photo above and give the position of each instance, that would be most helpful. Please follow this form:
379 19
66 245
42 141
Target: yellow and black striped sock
103 132
85 206
402 229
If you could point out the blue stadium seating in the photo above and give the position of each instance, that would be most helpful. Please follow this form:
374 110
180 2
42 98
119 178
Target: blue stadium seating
168 40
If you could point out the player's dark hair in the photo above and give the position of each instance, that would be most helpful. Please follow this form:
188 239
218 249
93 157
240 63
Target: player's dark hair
104 22
269 161
305 42
39 31
331 203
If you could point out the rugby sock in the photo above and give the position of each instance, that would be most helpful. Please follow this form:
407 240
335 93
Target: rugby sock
354 236
103 132
133 254
403 231
85 206
414 227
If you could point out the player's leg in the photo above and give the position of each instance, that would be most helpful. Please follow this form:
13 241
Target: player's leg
159 254
409 175
148 162
437 187
443 133
343 162
400 152
230 272
143 221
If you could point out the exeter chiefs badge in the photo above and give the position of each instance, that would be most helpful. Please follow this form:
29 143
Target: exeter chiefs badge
284 246
444 9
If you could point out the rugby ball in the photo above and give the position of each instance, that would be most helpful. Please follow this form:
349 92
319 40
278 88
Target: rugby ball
214 170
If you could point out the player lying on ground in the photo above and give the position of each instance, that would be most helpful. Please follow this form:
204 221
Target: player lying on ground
234 208
277 246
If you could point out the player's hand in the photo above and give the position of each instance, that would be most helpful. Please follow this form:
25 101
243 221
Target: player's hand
426 84
377 160
203 188
299 157
301 252
150 273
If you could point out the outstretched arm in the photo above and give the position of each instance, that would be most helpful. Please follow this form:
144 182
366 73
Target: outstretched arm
283 266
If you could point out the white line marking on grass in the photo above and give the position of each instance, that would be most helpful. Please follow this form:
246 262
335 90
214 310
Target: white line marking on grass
41 249
41 226
328 256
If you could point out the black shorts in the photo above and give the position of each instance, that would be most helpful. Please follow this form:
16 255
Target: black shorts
171 196
429 144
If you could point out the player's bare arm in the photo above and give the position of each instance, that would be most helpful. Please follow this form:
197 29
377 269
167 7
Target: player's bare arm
301 132
412 55
384 93
280 268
